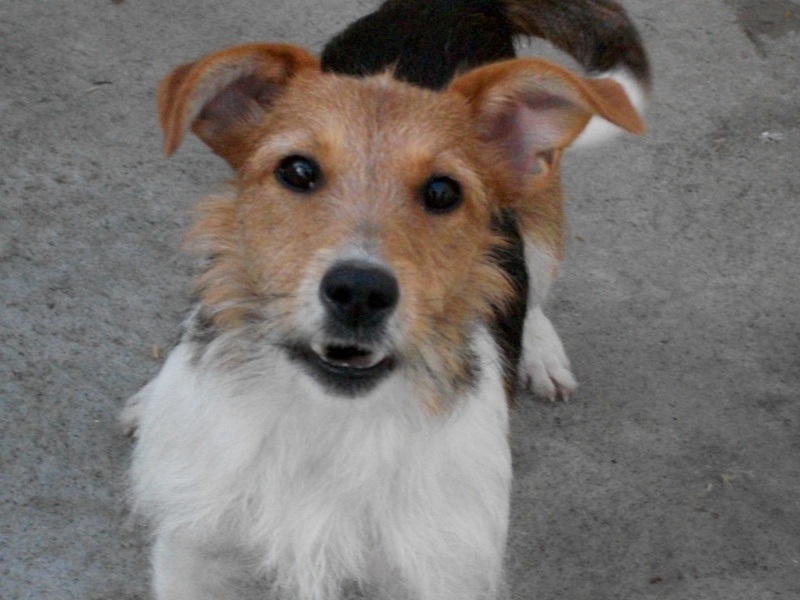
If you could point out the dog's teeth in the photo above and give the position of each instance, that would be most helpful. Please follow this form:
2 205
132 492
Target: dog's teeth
370 360
318 349
353 357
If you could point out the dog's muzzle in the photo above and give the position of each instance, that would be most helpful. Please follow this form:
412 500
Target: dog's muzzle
352 354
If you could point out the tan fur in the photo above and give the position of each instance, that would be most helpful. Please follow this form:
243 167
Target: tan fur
377 142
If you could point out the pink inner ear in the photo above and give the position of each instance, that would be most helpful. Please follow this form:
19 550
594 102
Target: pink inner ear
530 129
242 101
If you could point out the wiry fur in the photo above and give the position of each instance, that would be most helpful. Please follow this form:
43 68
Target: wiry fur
263 454
314 492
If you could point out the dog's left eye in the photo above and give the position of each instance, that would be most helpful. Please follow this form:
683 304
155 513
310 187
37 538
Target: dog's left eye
298 173
441 195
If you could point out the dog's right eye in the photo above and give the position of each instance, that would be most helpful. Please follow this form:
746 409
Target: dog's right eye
298 173
441 195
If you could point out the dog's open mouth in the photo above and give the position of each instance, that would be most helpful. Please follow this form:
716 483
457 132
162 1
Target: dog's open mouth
344 368
354 357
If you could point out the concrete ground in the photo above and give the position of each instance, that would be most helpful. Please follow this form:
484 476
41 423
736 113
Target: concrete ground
674 473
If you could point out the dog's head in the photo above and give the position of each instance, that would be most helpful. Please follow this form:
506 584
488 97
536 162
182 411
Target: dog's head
359 229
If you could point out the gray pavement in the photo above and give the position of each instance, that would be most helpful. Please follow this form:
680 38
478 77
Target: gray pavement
674 473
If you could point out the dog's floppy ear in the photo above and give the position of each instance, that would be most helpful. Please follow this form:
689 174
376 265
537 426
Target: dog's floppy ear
531 109
224 95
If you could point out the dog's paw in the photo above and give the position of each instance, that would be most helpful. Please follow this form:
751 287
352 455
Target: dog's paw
545 368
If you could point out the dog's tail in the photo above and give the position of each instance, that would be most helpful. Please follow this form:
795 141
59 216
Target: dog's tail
596 33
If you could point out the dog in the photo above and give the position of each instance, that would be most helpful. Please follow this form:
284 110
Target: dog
336 411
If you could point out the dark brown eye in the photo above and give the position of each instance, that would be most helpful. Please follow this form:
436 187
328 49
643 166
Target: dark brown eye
298 173
441 195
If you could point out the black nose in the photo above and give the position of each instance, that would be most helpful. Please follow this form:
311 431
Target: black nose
359 294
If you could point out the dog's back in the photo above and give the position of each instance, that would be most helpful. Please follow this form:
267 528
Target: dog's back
424 42
427 42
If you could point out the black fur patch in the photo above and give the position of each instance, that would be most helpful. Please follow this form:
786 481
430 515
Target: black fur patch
426 42
509 319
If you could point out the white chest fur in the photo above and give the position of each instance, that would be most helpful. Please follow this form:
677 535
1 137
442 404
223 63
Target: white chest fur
318 490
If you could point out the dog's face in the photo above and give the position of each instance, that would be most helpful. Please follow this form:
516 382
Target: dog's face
360 230
354 203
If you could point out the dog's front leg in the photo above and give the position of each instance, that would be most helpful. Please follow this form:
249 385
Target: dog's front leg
183 570
545 367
